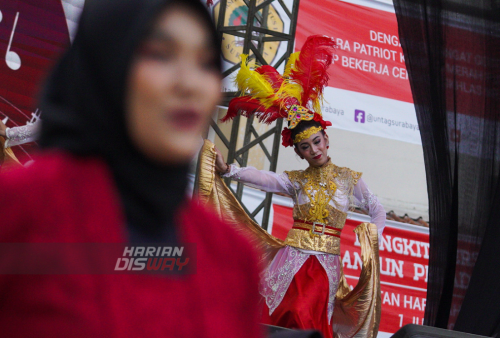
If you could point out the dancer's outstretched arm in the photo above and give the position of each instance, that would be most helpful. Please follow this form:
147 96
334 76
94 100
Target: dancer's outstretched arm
260 179
366 200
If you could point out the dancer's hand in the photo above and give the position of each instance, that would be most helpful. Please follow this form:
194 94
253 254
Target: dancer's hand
3 129
220 165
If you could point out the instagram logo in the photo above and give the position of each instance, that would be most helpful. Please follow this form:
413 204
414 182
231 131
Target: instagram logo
359 116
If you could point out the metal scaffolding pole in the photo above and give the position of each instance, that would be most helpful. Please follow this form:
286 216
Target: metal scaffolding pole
257 34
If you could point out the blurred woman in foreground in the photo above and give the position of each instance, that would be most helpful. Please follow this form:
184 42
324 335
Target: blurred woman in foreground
123 114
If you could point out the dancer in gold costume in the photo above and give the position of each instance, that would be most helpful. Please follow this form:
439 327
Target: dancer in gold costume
302 284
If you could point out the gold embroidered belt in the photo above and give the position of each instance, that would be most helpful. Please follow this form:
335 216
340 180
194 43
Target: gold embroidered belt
316 228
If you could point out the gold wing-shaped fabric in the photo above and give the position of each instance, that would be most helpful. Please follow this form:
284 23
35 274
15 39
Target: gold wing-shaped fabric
213 191
357 311
7 158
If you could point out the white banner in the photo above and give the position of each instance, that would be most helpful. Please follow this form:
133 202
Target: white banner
372 115
368 89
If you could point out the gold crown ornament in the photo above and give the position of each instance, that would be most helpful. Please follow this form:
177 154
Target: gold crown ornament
306 134
298 113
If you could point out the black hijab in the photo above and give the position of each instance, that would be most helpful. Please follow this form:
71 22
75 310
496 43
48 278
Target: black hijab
84 113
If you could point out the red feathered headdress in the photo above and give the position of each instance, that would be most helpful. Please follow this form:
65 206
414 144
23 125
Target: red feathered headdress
296 95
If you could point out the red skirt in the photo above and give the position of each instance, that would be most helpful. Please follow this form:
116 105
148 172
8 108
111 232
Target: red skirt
305 304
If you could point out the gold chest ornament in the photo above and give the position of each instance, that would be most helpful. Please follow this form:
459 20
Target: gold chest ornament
322 221
320 192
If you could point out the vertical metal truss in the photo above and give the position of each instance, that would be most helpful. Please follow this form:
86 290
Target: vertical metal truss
255 33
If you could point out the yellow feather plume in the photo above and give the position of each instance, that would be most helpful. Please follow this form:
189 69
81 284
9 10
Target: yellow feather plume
290 89
290 63
316 104
295 89
249 81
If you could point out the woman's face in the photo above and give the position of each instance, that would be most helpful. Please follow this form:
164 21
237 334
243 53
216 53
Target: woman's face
314 149
173 88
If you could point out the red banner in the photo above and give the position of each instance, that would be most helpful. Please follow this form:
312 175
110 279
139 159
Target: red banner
369 58
403 268
32 34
